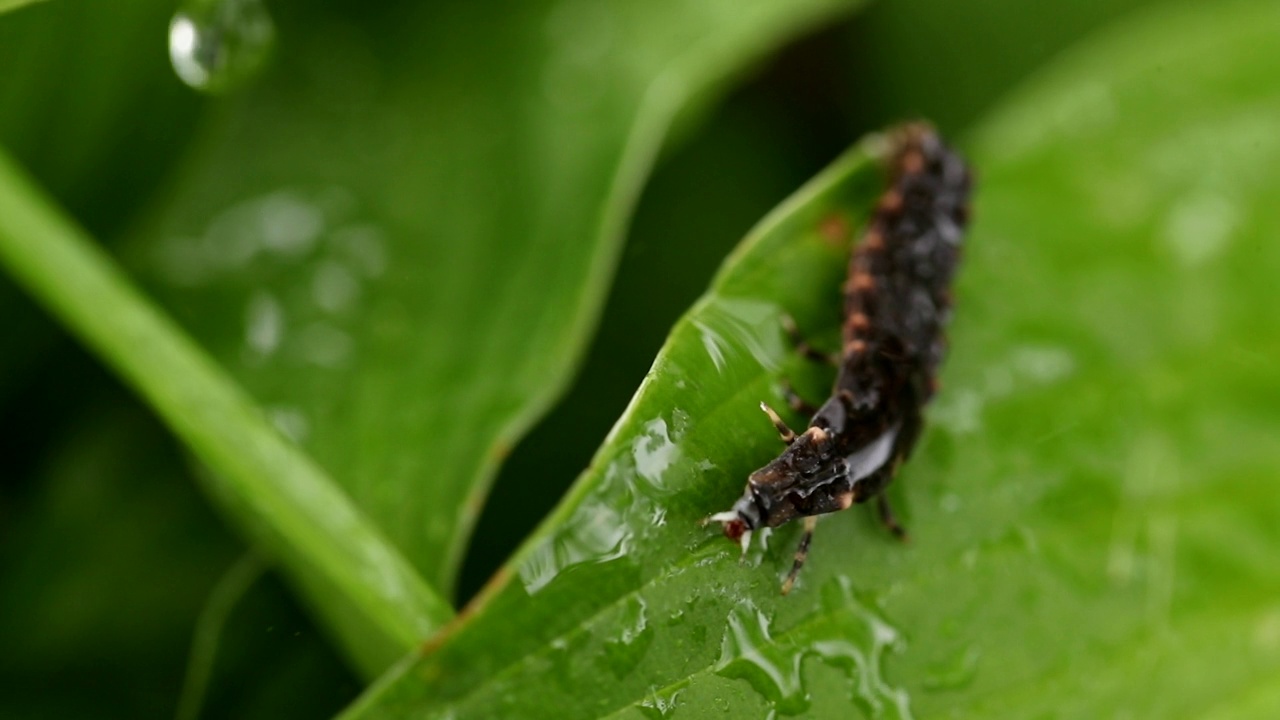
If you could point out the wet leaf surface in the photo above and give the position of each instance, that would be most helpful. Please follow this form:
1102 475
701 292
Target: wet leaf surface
1092 514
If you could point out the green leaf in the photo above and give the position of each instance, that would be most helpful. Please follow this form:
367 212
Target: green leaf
422 228
305 519
1093 524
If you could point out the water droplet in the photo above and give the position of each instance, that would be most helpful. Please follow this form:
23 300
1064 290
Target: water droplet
264 324
956 672
1043 365
289 224
959 411
713 343
654 451
1266 630
290 421
951 502
660 705
215 45
721 704
596 532
325 345
281 227
624 652
1200 226
334 288
748 652
364 246
737 326
860 637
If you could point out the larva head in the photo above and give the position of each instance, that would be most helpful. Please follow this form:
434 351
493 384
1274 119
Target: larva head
741 520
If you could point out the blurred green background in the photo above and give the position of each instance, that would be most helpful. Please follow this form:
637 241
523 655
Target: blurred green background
109 552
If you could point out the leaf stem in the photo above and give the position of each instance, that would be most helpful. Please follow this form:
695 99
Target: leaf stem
289 503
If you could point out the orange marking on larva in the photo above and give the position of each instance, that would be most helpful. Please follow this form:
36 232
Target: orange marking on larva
912 162
860 278
817 434
873 242
846 501
890 202
855 347
859 322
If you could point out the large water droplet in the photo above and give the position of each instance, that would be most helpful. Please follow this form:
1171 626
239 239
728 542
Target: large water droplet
750 653
623 652
216 44
597 532
659 705
855 638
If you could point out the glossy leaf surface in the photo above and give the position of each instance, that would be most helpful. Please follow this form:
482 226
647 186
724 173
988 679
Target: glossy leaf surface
1094 527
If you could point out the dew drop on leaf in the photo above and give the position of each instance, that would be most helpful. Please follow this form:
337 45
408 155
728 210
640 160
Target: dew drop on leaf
215 45
659 704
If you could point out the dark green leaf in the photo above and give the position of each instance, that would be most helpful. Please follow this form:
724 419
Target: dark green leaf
104 565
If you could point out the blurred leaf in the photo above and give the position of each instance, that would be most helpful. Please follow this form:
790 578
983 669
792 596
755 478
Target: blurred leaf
7 5
952 61
103 569
116 110
1093 521
422 226
307 522
99 138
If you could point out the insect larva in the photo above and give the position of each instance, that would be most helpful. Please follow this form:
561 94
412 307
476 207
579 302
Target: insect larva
897 300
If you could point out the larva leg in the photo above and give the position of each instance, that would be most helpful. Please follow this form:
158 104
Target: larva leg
888 519
803 347
802 553
796 402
